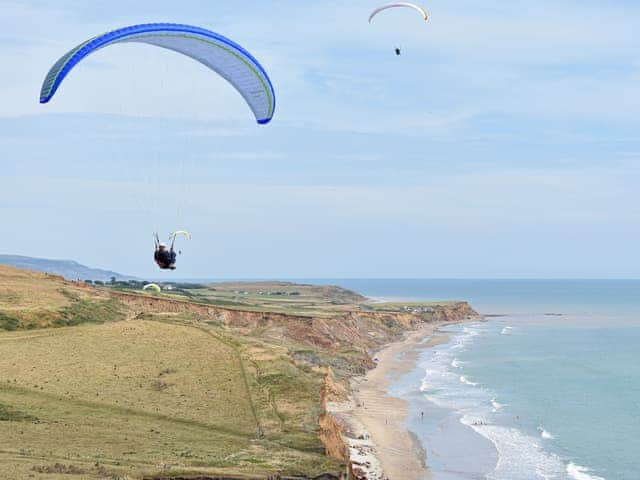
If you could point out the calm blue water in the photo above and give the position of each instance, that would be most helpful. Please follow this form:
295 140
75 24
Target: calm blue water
509 296
528 395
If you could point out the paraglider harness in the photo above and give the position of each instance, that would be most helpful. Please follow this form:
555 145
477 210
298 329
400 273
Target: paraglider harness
166 259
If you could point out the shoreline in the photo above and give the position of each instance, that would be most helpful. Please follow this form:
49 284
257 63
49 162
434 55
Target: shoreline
380 443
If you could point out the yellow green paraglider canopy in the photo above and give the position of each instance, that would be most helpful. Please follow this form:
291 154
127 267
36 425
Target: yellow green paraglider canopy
152 286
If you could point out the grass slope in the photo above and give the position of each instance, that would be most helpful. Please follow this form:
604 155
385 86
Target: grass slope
30 300
143 397
116 397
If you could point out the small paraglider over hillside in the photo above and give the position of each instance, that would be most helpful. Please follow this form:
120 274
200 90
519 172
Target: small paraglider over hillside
153 287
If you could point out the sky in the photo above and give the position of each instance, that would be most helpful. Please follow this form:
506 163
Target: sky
503 143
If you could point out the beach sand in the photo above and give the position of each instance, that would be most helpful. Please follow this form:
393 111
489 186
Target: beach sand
381 446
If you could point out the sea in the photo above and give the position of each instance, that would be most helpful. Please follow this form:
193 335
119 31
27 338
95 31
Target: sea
546 386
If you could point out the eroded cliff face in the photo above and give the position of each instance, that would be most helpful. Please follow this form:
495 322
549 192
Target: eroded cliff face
339 346
357 329
330 429
336 391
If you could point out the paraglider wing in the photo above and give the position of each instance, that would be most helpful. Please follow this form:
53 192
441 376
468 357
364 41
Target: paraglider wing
152 286
184 233
418 8
223 56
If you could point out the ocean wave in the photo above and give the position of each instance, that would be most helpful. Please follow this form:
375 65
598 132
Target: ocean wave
581 473
496 405
544 434
471 331
460 340
442 383
518 454
521 455
464 380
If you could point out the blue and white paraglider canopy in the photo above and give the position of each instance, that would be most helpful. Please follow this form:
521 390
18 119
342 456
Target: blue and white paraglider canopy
218 53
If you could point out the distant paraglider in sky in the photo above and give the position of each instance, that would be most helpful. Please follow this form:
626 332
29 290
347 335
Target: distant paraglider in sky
218 53
413 6
418 8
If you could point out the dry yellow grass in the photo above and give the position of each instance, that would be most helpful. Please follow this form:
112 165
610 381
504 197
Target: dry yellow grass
134 396
31 300
26 291
146 366
161 395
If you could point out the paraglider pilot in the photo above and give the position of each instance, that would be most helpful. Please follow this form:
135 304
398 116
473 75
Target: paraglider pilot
166 259
398 52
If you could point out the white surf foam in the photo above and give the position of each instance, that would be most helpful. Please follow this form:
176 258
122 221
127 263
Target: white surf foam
544 434
496 405
470 331
464 380
581 473
441 383
519 455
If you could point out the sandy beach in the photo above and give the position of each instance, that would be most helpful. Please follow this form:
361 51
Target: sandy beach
381 445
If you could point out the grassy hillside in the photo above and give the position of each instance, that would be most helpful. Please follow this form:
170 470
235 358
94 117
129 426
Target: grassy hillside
66 268
147 396
101 383
37 300
160 394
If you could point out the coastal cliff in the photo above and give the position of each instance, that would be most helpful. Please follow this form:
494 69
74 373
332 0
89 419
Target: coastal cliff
356 329
350 444
365 331
249 370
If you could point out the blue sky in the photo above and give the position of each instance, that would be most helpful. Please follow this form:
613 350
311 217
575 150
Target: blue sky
504 142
